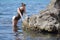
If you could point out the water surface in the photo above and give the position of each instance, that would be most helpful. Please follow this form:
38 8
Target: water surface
8 8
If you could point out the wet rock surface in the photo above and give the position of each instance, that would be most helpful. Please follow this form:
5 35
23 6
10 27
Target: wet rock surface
47 20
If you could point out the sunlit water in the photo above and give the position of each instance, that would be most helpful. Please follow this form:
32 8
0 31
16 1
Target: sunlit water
8 10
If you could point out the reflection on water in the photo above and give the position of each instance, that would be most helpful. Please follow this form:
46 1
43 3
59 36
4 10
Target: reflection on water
31 35
19 37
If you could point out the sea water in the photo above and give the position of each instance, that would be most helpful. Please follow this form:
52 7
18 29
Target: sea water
8 9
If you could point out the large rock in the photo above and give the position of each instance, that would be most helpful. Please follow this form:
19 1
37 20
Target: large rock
46 20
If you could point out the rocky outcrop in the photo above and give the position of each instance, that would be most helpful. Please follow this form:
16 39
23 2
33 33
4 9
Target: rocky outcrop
47 20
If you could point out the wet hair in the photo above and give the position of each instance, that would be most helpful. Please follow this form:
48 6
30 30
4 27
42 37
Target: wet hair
23 4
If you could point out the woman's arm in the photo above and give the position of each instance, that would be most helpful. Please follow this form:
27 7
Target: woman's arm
18 10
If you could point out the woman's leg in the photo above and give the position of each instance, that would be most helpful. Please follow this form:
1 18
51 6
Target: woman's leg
14 24
15 28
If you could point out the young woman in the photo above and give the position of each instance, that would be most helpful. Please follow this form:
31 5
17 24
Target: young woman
20 12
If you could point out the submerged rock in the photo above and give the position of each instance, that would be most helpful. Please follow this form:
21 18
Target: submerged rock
47 20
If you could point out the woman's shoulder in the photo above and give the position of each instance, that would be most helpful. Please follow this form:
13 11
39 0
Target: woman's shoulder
21 7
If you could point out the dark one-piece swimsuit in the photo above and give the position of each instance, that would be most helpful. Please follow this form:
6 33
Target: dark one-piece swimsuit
18 16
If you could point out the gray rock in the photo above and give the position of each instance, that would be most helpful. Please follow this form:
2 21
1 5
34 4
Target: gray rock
48 20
